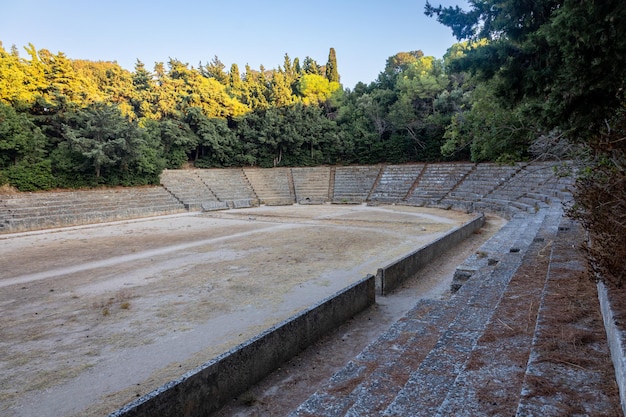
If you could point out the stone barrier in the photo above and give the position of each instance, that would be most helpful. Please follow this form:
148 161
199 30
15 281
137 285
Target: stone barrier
616 337
392 275
210 386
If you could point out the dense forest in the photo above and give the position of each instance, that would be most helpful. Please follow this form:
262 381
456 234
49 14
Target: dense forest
72 123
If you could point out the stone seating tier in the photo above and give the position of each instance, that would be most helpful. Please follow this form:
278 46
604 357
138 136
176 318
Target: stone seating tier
395 182
26 209
312 185
228 184
354 183
436 181
506 190
272 186
188 187
44 210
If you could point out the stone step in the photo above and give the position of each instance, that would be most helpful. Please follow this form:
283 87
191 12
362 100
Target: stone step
429 385
564 374
395 182
491 379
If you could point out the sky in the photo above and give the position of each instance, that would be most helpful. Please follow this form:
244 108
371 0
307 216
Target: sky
364 33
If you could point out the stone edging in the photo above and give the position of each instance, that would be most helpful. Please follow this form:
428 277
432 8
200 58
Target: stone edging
615 337
211 385
392 275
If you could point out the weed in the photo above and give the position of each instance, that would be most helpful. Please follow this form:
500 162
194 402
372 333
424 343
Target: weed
247 398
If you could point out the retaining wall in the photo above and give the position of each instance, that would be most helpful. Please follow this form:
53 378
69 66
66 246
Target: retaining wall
210 386
615 336
392 275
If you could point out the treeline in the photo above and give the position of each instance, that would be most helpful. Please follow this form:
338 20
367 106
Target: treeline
73 123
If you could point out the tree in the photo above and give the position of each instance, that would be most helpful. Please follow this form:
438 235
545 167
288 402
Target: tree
281 93
562 63
417 87
395 65
104 138
215 69
21 141
234 80
177 140
316 89
332 74
143 95
215 146
310 66
569 57
256 89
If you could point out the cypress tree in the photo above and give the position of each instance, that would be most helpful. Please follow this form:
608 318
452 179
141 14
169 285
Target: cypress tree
331 67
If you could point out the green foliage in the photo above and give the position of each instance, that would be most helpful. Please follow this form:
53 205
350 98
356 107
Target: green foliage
216 142
490 130
30 177
315 89
104 138
332 74
21 141
94 123
566 59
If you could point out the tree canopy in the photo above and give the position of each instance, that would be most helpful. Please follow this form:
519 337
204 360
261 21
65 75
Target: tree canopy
85 123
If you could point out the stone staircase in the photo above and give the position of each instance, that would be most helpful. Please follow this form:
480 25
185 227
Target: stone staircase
311 184
442 359
230 186
274 187
395 183
188 188
354 183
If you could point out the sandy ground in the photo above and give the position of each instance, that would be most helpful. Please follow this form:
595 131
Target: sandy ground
93 317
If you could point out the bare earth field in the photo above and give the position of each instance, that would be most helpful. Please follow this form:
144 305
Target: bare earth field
95 316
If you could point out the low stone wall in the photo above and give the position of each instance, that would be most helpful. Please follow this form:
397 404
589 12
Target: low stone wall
392 275
615 337
210 386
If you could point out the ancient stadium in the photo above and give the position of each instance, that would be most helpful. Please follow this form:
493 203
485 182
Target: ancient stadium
239 291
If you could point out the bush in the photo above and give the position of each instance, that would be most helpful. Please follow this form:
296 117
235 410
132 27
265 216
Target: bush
30 177
600 197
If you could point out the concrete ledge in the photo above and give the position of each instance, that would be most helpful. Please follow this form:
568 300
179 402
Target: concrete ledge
615 337
392 275
243 203
214 205
210 386
312 200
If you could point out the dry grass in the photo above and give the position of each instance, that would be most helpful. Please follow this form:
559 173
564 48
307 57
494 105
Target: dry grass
120 301
8 189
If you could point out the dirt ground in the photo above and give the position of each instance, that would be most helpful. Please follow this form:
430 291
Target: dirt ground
95 316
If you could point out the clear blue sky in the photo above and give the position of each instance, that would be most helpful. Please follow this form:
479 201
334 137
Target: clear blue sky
364 33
